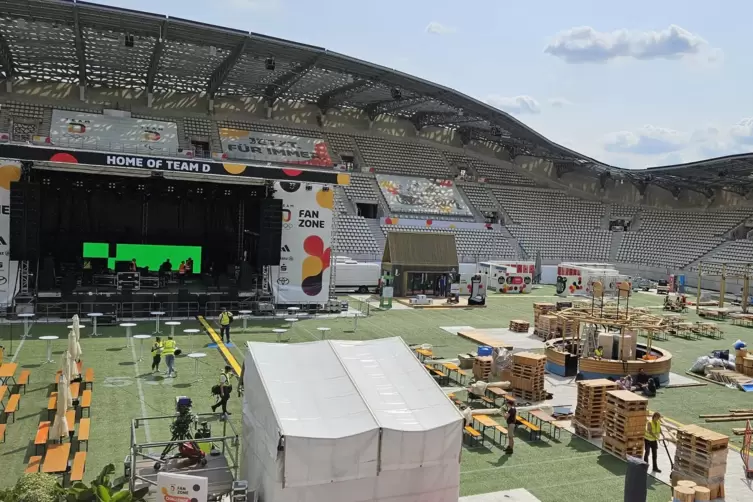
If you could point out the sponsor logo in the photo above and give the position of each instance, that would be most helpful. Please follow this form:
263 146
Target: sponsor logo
283 268
285 249
287 226
286 215
283 281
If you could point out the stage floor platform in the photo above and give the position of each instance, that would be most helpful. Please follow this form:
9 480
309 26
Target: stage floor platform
503 337
217 471
439 304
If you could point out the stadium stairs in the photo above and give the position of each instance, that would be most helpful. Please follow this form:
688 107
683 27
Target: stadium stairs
617 238
376 231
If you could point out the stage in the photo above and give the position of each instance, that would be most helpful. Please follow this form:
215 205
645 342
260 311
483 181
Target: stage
439 304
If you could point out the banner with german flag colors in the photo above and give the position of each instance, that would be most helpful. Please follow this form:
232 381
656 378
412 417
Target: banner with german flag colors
280 148
10 171
304 271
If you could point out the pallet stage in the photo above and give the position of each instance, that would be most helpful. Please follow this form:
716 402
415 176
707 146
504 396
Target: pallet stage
503 337
439 304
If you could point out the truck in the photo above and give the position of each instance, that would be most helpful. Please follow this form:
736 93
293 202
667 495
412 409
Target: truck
352 275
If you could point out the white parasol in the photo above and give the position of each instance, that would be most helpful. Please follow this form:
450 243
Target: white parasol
60 425
77 332
67 374
75 351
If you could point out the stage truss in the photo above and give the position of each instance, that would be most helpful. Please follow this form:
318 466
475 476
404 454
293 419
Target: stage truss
725 270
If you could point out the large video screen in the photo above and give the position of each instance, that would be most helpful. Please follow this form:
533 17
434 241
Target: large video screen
147 255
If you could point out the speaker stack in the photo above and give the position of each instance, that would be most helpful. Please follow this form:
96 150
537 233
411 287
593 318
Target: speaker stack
270 233
25 201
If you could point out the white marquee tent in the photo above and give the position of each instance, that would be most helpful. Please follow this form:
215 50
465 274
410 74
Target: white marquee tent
344 421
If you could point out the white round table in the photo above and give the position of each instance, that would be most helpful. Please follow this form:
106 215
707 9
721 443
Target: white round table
27 316
293 311
245 314
141 339
94 316
279 332
172 325
128 326
323 331
157 315
80 326
196 356
291 320
189 332
49 340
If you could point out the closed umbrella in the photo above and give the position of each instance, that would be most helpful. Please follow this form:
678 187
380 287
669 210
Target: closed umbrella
60 425
74 350
67 373
77 332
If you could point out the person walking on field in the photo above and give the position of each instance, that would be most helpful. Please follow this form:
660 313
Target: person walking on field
156 354
651 439
226 317
512 418
225 390
168 350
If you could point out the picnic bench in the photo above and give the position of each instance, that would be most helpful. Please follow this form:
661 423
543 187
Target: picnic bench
3 391
78 467
35 463
12 407
488 402
534 431
23 380
487 422
473 435
443 377
52 405
2 433
83 432
540 418
89 378
85 402
43 436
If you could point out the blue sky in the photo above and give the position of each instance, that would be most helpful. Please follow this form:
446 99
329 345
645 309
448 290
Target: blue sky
632 84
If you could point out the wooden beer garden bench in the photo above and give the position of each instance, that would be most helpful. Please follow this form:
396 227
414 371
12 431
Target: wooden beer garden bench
89 378
473 435
78 467
85 402
2 433
43 435
35 463
534 431
12 407
52 405
23 380
540 418
3 391
83 432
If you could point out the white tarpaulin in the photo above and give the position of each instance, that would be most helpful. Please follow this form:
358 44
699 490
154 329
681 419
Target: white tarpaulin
340 421
267 147
96 131
304 271
10 171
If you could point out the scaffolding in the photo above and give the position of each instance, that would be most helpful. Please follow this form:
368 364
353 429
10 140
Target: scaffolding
725 270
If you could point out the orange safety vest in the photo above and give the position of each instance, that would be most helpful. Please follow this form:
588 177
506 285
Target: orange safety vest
182 269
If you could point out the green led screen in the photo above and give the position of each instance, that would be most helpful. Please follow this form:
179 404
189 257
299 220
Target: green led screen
147 255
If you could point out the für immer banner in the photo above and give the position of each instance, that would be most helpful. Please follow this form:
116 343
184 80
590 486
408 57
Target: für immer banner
265 147
10 171
304 272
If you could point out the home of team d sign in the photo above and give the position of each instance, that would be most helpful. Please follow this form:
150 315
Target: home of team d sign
153 163
309 218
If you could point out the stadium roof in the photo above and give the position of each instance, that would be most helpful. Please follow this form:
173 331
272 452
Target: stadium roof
99 46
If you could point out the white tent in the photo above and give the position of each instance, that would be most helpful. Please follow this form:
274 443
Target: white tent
343 421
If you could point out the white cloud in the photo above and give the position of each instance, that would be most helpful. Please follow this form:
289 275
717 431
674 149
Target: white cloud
742 132
518 105
436 28
559 102
586 45
648 140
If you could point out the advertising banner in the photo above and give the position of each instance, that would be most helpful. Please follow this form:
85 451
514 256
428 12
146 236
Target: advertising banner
92 130
307 214
173 487
406 194
10 171
266 147
209 167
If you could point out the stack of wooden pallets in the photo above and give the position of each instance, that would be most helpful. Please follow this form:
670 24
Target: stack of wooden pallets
590 407
568 328
482 367
542 320
701 457
625 423
546 326
519 326
528 376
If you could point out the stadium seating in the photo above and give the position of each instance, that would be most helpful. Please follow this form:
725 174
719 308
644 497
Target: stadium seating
733 251
409 195
362 189
479 195
354 238
402 157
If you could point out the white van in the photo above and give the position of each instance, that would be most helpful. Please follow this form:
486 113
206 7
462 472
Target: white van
351 275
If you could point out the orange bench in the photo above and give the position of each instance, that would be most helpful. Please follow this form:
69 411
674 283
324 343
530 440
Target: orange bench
83 432
3 391
34 464
89 378
2 432
23 380
74 388
85 402
78 467
12 407
43 435
52 405
57 376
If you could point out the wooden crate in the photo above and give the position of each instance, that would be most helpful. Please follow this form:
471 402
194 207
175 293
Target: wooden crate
519 326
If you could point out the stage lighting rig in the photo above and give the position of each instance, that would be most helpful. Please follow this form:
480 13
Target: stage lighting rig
396 93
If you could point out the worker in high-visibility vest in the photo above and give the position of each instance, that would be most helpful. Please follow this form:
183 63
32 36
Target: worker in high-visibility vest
156 354
599 352
225 390
651 438
168 350
226 317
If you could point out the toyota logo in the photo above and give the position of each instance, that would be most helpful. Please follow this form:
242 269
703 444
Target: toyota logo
3 280
283 281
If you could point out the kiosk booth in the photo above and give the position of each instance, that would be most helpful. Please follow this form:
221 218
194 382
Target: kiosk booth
420 263
578 279
510 277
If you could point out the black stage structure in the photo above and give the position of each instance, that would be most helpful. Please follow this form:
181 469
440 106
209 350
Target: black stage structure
68 197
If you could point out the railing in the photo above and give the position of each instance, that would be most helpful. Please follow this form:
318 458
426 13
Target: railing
107 146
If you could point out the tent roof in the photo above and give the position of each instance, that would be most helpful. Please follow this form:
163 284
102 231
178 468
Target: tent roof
421 249
333 389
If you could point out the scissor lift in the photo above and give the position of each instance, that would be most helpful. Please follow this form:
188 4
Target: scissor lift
745 453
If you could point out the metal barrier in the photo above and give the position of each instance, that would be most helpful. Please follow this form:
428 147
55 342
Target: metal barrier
180 309
46 312
105 308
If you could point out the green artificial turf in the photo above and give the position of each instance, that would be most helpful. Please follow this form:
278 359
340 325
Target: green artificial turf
568 469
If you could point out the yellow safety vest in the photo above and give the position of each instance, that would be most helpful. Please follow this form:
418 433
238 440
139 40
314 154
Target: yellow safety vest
599 353
655 431
168 348
227 378
156 348
225 318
